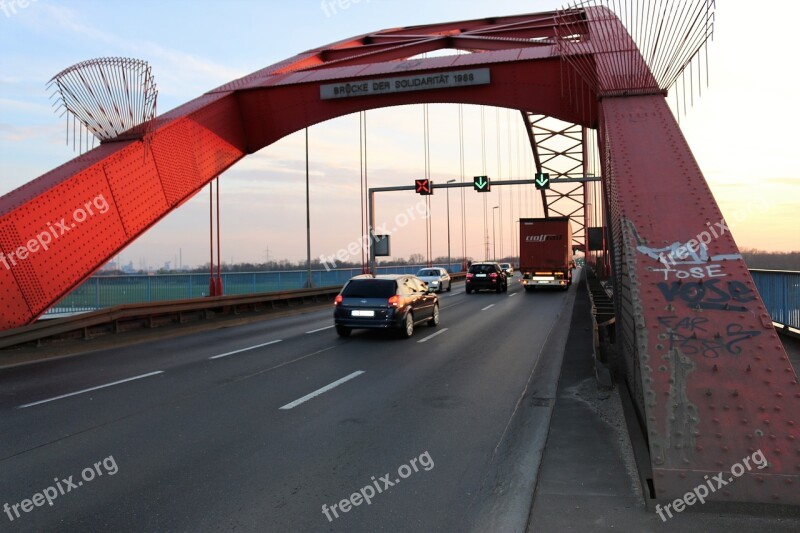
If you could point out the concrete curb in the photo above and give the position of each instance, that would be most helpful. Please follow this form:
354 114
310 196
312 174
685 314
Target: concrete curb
514 469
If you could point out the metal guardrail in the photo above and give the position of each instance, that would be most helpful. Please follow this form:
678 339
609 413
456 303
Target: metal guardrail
114 317
780 291
118 318
100 292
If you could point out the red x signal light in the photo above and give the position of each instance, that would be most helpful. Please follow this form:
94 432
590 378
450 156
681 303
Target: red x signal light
423 186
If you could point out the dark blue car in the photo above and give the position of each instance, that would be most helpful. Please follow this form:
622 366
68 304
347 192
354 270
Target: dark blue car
385 302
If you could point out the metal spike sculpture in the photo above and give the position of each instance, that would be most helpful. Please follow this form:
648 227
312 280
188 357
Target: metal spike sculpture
113 98
669 34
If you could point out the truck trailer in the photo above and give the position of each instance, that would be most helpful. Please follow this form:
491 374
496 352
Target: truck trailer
545 252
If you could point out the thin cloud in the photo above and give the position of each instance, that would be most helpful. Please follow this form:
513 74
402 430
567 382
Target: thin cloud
11 133
794 182
178 73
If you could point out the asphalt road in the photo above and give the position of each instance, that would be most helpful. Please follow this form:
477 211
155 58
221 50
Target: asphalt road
221 431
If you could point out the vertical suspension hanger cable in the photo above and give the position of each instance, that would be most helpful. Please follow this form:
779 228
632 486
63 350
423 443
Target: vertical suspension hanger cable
511 224
430 225
499 176
219 247
511 174
509 145
212 287
309 279
463 197
364 228
425 174
483 167
366 192
426 166
516 143
517 151
519 196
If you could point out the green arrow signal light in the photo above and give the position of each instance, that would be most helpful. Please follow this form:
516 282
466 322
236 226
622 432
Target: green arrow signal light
481 183
542 181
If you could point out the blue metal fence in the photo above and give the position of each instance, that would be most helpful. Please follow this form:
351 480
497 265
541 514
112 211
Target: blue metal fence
780 290
106 291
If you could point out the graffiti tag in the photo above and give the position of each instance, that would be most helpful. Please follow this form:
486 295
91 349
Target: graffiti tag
709 294
688 334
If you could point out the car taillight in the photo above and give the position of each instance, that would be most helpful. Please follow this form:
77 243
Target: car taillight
395 301
338 299
469 275
493 275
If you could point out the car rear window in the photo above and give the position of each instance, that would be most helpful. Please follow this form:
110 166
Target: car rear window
481 269
429 272
370 288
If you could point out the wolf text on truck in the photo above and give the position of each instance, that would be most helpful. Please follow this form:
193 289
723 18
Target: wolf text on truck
545 252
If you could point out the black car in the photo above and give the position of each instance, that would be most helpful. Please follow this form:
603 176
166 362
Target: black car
486 276
383 302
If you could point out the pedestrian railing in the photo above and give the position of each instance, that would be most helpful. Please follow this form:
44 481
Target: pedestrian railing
780 291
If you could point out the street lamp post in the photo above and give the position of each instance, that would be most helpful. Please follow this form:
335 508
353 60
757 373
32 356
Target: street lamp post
449 262
494 243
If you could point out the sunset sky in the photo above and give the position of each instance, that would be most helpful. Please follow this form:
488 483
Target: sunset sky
742 131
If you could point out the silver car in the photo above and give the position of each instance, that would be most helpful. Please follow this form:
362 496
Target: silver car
438 279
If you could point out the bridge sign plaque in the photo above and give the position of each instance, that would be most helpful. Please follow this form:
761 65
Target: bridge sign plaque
420 82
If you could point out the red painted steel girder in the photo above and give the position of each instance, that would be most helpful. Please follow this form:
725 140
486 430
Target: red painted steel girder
709 371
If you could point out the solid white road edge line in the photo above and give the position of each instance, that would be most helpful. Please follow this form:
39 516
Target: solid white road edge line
324 389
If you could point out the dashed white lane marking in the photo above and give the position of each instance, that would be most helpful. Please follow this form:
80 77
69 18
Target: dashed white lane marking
90 389
324 389
319 329
433 335
226 354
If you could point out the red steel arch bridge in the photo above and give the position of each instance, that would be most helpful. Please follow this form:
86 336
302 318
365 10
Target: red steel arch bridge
710 379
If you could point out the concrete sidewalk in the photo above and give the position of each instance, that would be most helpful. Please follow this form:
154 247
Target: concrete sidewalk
588 480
